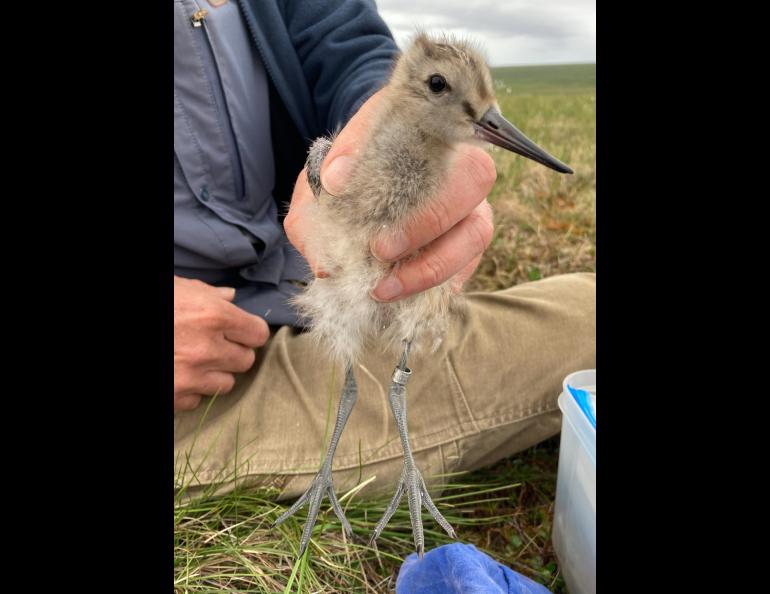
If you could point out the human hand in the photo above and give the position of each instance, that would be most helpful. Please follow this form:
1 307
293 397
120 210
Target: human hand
213 339
453 231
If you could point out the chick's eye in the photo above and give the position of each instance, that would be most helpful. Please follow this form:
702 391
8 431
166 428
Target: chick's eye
437 83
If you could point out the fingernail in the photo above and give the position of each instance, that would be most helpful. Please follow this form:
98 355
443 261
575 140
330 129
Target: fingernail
390 248
226 292
388 289
336 174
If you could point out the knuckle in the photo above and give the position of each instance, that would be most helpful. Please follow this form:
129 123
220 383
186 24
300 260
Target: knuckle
261 331
434 271
202 353
263 338
227 384
248 360
183 383
188 402
290 223
481 167
481 230
439 218
485 209
211 319
292 226
298 198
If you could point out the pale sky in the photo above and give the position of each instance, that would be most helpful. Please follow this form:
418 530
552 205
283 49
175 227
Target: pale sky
511 31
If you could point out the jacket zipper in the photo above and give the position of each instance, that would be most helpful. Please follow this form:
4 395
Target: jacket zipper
198 20
198 16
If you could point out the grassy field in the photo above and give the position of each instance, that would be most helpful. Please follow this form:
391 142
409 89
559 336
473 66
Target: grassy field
545 225
545 222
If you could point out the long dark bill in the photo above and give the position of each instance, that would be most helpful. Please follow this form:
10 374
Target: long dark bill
494 128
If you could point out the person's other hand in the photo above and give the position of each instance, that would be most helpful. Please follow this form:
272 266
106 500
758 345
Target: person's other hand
453 231
213 339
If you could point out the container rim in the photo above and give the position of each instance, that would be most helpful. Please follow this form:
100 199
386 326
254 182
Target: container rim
572 414
574 373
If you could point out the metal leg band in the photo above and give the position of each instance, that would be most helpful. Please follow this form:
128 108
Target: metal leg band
401 376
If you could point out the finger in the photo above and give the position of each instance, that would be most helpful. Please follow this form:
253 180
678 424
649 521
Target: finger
459 279
440 260
245 328
298 223
226 293
187 402
233 357
471 177
217 382
347 145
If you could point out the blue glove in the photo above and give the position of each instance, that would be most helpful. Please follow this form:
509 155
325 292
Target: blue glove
461 569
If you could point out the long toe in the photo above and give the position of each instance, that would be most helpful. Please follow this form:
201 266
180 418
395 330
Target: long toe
413 485
414 495
296 506
338 510
321 485
392 507
431 507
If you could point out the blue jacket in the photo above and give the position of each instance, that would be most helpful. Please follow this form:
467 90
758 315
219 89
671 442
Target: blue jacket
324 57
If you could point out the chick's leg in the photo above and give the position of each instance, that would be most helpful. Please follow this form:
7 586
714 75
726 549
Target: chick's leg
411 481
322 483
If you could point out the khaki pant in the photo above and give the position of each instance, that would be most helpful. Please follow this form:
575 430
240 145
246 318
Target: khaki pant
489 392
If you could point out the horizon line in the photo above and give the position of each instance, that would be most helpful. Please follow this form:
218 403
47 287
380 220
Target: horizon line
519 65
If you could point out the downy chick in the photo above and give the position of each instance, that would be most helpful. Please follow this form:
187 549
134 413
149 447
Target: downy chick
440 94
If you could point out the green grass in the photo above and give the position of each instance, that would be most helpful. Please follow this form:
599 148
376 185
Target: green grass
545 225
544 222
226 543
561 79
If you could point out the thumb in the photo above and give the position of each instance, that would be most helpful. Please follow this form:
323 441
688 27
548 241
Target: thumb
336 168
336 173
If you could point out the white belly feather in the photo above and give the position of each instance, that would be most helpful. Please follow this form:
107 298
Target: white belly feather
339 309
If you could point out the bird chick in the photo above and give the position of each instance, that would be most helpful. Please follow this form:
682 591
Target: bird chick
440 94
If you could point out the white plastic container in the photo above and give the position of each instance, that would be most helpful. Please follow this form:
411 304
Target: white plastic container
574 525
